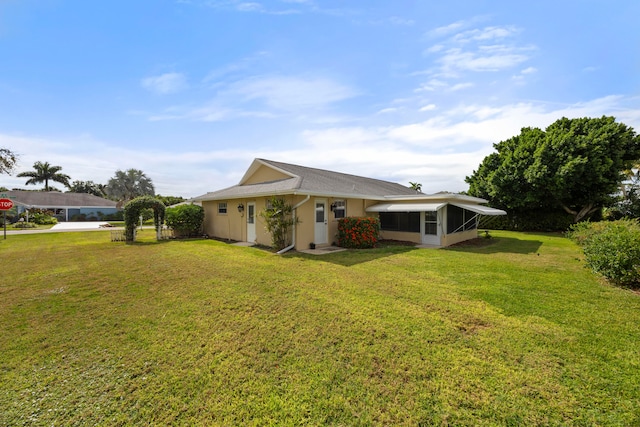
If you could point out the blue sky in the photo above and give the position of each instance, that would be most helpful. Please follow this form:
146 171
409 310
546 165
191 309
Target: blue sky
191 91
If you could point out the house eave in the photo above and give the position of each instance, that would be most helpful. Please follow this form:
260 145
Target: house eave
213 197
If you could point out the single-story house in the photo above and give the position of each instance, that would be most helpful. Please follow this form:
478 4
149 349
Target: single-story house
65 206
321 197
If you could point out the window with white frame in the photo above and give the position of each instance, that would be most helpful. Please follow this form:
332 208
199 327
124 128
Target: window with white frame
222 207
339 209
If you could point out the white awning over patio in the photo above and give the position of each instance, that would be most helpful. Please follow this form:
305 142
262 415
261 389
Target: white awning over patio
433 207
482 210
406 207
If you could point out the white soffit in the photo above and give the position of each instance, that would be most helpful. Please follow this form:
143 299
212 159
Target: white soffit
405 207
482 210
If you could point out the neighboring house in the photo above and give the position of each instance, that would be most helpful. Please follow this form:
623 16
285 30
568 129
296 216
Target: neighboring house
321 197
65 206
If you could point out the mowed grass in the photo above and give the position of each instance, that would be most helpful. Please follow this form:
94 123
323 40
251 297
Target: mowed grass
199 332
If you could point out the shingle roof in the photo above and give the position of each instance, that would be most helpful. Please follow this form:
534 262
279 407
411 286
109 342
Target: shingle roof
57 199
306 180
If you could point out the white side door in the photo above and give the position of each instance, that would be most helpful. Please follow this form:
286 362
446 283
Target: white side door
251 222
321 227
430 227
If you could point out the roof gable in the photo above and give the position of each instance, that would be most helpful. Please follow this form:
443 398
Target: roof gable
262 171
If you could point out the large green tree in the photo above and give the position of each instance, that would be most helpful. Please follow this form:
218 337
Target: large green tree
574 164
129 184
88 187
44 172
8 160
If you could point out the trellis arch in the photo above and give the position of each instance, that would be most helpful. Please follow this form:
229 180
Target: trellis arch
132 213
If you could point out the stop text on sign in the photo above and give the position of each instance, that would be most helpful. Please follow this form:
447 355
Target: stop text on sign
5 204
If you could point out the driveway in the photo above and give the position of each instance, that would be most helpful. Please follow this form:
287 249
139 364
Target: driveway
61 227
85 225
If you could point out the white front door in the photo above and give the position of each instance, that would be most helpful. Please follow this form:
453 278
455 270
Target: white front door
320 235
251 222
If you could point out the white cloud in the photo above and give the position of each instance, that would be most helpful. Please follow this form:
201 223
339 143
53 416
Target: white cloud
459 52
447 29
266 97
396 20
461 86
292 92
428 107
250 7
494 58
432 85
388 110
485 34
165 83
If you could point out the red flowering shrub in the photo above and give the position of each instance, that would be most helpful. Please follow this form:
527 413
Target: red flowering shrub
358 233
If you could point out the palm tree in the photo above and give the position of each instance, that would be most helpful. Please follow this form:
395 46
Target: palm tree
44 172
416 186
129 184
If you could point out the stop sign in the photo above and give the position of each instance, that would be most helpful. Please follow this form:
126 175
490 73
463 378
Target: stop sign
5 204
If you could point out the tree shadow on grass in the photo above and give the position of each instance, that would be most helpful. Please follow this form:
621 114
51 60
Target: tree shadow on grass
495 245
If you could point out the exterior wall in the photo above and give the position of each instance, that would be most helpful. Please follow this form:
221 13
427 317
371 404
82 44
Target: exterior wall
404 236
233 224
452 239
265 174
222 226
305 229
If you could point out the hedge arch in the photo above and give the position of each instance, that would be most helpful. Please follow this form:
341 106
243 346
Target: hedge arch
132 213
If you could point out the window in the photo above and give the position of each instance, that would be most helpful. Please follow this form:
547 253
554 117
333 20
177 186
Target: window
269 204
400 221
459 219
251 213
339 209
222 207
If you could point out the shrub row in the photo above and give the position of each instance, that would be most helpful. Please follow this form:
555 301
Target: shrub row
532 220
611 249
358 233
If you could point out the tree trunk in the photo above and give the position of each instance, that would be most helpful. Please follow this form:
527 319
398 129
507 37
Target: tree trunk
579 215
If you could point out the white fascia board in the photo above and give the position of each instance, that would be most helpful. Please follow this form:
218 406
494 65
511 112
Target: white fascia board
437 196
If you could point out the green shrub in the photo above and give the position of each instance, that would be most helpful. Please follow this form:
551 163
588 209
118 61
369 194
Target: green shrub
185 220
531 220
23 225
358 233
612 249
279 221
42 217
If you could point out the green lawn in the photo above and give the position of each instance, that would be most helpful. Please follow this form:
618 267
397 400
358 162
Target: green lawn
199 332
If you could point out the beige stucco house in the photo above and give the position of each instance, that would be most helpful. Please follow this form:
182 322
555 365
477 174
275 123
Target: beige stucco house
321 197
